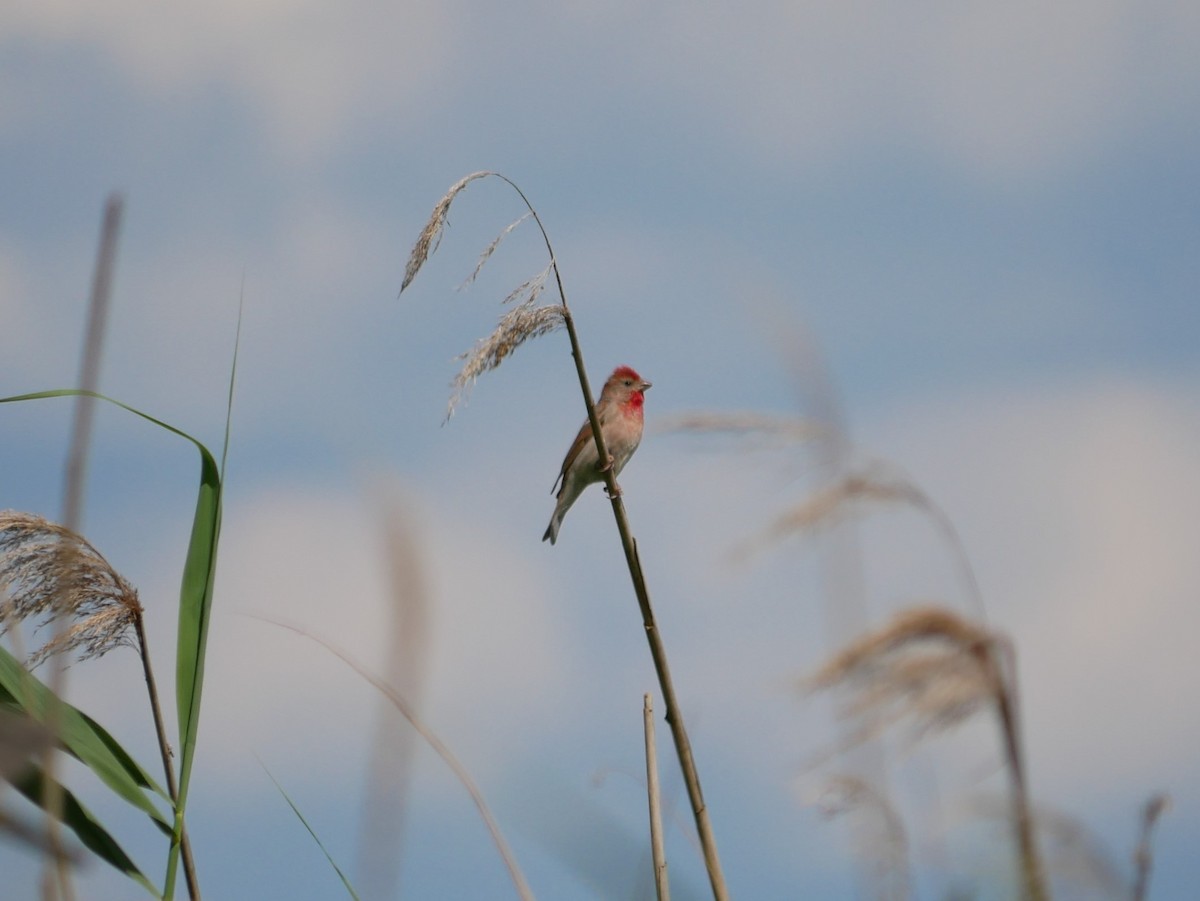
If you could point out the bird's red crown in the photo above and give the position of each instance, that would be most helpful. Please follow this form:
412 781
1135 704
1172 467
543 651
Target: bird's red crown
625 372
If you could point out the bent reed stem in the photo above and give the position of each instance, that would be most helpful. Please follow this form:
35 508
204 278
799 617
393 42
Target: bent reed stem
658 653
164 749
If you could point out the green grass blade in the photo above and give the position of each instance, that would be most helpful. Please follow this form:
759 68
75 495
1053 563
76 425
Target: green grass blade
86 827
195 597
312 832
195 602
82 736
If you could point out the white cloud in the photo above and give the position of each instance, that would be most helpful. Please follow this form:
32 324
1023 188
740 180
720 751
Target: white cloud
317 559
1078 506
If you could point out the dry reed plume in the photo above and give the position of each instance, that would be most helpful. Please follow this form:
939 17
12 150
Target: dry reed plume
784 429
874 482
47 571
431 234
52 576
937 668
524 321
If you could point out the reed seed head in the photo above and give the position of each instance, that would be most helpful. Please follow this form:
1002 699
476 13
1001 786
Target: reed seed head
518 325
48 572
431 234
929 666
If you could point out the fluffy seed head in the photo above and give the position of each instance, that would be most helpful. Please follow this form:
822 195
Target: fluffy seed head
431 234
929 665
48 572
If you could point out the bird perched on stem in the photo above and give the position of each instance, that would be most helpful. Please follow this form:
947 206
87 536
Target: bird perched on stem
619 410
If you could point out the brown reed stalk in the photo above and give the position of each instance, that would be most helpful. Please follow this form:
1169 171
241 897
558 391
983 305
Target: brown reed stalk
1143 858
654 797
55 875
426 244
936 667
394 747
22 738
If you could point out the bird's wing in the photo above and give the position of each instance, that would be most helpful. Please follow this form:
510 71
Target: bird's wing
581 440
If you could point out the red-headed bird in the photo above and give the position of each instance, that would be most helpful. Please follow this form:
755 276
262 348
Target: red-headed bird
619 410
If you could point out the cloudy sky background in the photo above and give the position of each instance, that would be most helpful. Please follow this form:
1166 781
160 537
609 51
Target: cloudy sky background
978 221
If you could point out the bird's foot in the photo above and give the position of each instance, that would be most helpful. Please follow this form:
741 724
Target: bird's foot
607 466
616 492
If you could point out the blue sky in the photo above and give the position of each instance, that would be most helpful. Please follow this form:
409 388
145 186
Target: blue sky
977 220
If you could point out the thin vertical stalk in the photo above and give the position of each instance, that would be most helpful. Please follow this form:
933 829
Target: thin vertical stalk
164 748
55 877
658 653
674 717
1143 856
658 854
1033 877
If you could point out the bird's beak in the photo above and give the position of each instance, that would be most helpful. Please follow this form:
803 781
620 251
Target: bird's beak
644 385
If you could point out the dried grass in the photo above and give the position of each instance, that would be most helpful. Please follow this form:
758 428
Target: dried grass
431 234
924 668
771 430
47 572
874 483
491 249
935 668
520 324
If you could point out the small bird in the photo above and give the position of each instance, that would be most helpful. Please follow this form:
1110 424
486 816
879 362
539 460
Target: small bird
619 410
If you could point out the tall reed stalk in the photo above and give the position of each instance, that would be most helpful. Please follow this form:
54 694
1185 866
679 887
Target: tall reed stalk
526 321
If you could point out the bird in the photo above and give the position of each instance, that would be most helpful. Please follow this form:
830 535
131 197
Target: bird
619 411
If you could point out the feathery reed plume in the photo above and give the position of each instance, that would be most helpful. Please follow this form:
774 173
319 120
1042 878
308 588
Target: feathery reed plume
431 234
99 603
491 249
771 430
922 668
874 482
871 483
525 321
890 876
937 667
53 575
1143 857
518 325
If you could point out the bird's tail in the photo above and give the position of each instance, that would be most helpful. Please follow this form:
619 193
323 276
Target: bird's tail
552 529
